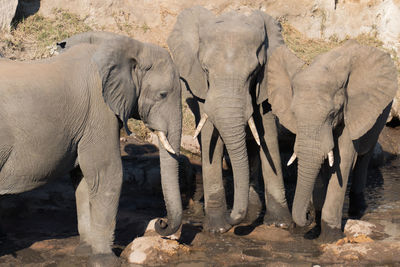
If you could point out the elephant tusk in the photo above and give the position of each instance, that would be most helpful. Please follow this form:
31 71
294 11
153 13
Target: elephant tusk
331 159
292 159
202 121
253 130
164 141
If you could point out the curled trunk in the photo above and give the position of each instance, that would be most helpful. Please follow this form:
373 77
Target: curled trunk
169 165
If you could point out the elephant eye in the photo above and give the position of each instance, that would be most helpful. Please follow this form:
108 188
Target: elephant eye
163 94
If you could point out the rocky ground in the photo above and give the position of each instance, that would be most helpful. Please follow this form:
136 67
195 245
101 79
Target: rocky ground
41 224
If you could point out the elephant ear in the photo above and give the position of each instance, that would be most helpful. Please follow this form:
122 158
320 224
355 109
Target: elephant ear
282 65
372 85
116 60
273 39
183 43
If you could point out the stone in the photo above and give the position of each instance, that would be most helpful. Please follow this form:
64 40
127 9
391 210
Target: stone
371 252
152 250
7 13
355 228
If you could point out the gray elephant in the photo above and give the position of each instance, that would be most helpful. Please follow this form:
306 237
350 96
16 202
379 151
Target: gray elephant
222 62
63 115
337 106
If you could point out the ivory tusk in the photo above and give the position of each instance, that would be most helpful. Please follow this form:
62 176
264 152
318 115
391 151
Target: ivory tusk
164 141
331 158
253 130
202 121
292 159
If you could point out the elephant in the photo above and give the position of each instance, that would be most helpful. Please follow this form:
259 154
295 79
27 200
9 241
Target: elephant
337 107
63 115
221 61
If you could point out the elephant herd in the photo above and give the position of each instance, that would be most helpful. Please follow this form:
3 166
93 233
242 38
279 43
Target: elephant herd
62 115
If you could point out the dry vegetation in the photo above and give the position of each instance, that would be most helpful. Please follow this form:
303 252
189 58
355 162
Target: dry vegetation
32 38
35 36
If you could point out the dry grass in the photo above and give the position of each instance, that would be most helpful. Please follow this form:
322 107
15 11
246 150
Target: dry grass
32 37
305 48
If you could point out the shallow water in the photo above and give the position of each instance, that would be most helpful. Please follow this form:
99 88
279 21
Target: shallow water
41 224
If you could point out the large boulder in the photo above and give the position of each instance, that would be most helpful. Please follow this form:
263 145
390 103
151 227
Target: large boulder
7 13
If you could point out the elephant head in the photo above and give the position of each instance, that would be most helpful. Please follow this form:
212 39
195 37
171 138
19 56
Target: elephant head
140 80
344 90
221 61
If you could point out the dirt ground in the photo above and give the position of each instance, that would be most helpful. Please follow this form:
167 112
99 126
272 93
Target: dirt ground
41 224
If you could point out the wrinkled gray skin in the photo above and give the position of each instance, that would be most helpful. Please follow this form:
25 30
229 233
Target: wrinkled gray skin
340 102
221 61
63 115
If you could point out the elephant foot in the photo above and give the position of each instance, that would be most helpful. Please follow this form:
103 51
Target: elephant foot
329 234
281 219
254 211
215 222
104 260
83 249
357 205
277 215
313 233
297 230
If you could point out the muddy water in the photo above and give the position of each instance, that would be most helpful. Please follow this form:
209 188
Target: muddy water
41 224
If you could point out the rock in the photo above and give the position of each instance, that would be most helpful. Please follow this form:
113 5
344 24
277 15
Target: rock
355 228
152 250
7 13
372 252
355 240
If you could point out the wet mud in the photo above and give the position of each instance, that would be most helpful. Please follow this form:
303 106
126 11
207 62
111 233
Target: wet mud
41 228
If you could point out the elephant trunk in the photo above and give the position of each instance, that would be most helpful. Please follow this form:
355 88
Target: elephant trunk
169 165
310 159
231 123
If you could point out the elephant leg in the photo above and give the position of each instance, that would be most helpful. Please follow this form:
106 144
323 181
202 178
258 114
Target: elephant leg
2 232
102 170
357 204
214 191
277 211
83 213
331 218
365 145
194 106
